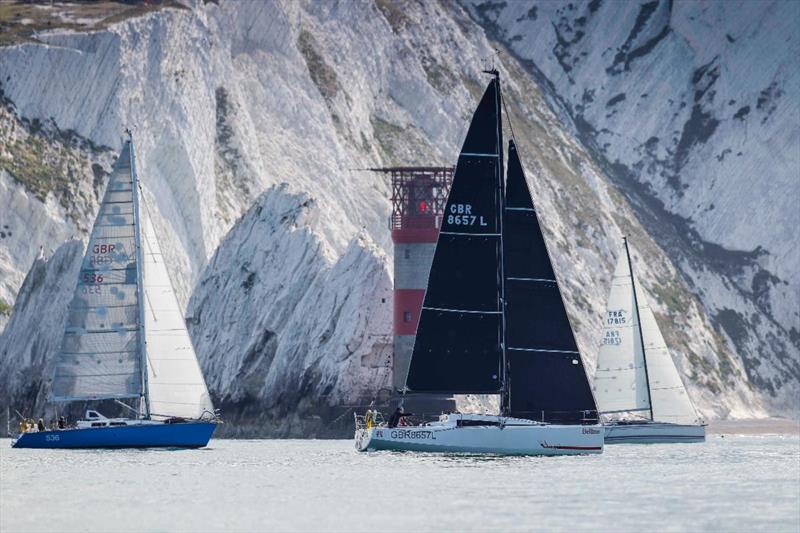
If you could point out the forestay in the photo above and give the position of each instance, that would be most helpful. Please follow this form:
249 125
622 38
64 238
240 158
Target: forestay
457 348
547 380
175 382
99 356
620 382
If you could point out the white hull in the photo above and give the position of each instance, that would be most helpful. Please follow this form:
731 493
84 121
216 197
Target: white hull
456 433
653 432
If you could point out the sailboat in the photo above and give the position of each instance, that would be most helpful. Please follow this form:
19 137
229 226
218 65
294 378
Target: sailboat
639 392
125 338
493 320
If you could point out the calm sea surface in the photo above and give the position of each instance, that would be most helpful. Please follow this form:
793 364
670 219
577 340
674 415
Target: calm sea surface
731 483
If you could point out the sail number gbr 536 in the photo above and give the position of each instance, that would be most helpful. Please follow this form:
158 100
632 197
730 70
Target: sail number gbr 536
461 215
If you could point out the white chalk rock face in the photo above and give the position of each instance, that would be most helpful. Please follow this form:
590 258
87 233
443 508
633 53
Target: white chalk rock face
32 337
250 119
279 318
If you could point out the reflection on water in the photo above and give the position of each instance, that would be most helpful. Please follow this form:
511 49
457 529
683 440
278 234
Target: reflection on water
731 483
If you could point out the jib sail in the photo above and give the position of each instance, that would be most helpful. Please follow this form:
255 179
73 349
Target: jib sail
547 380
174 379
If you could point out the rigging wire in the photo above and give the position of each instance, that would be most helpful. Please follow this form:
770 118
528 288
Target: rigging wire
508 116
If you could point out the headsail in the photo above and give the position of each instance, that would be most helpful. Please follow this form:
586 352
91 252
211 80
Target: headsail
620 381
458 345
175 382
671 402
547 380
100 352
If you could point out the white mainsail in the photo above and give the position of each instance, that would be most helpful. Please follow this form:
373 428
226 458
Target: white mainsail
629 361
620 382
174 379
100 352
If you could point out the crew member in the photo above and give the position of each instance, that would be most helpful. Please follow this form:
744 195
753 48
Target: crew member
397 417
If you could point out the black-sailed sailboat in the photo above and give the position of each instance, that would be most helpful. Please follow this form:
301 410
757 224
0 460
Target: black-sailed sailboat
493 320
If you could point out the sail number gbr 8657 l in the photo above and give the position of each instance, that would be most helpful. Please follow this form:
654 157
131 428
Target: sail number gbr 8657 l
461 215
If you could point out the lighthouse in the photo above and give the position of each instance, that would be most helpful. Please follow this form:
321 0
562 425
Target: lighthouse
419 195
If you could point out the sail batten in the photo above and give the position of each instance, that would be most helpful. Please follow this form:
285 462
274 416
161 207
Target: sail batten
544 350
462 234
461 310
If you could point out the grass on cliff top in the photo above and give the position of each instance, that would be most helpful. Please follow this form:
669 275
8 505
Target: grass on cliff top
20 20
5 308
26 160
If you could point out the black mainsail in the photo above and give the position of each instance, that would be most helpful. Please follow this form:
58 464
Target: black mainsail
493 320
458 348
546 377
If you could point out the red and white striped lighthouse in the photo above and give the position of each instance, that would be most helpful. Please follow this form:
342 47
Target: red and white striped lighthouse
419 195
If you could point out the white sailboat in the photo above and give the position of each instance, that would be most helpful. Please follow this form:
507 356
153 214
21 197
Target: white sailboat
125 338
493 320
639 392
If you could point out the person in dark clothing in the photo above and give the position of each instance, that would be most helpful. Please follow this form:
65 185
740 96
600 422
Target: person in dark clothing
62 423
397 417
40 425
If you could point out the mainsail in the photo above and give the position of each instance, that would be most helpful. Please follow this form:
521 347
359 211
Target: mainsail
100 351
635 371
458 345
174 379
547 380
620 380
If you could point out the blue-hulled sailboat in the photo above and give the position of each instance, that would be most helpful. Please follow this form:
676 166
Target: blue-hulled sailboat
125 339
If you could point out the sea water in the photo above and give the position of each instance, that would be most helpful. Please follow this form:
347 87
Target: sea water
730 483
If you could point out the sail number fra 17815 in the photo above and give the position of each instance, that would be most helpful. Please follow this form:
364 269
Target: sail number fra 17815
461 215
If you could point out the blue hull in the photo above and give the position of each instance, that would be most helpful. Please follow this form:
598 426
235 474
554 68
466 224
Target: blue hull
184 435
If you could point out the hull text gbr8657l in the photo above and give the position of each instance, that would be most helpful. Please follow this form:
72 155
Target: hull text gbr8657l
493 321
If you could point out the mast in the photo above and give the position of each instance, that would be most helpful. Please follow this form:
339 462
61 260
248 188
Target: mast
139 279
501 195
639 321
